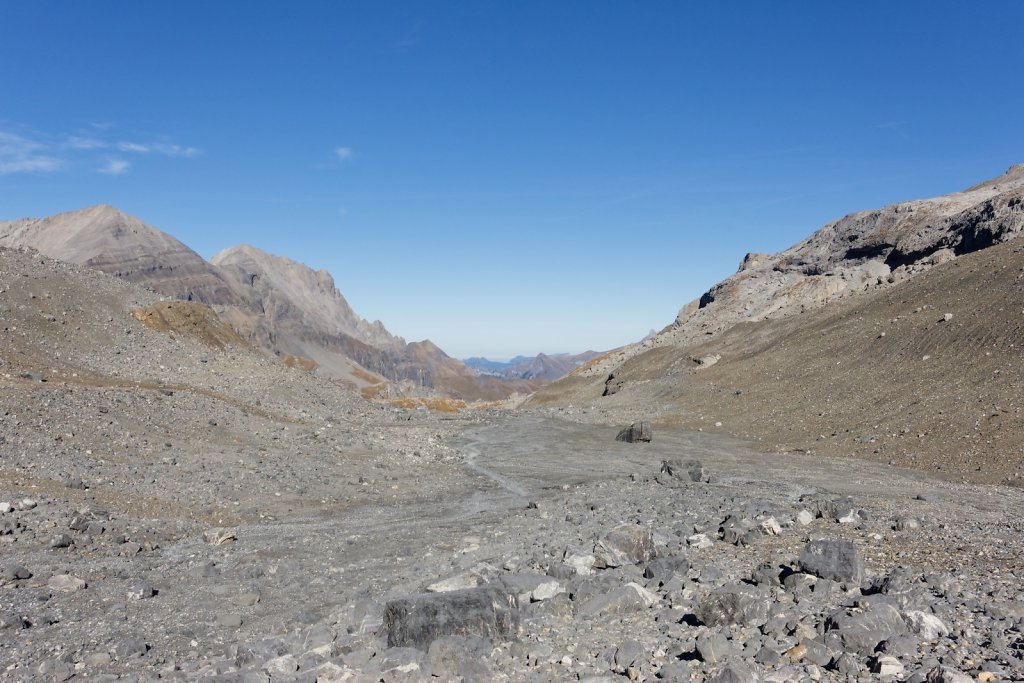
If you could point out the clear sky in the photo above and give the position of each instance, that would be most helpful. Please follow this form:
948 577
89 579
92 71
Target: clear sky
504 177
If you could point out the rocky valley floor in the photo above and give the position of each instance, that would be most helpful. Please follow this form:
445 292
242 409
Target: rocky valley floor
176 510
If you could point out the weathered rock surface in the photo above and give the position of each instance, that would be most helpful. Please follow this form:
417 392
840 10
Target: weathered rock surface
486 612
638 432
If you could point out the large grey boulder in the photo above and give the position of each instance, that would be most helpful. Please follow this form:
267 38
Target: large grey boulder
734 604
487 612
624 545
861 629
629 598
835 560
737 672
636 432
689 470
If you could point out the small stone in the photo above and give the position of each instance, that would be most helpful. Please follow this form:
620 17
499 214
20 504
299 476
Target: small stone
219 536
131 647
97 660
906 524
66 583
282 666
5 507
887 666
699 541
61 541
55 670
228 620
12 621
27 504
15 572
141 591
247 599
804 517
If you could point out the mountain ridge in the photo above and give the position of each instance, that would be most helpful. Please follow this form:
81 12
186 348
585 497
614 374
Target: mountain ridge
818 350
274 302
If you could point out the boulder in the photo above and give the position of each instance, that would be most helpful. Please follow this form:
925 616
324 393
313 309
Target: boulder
636 432
624 545
734 604
487 612
835 560
629 598
689 470
861 629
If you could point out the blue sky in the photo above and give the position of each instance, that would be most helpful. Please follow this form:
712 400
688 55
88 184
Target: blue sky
504 177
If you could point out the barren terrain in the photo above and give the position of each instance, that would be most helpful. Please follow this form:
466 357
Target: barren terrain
175 505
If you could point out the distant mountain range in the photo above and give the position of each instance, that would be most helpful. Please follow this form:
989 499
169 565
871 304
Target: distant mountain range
542 366
274 303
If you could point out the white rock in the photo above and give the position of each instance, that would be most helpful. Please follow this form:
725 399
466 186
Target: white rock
27 504
647 596
804 518
926 625
455 583
329 672
699 541
281 666
66 583
5 507
546 590
888 666
582 563
771 527
850 518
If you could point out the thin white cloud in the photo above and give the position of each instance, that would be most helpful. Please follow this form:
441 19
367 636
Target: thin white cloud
21 155
176 150
85 143
166 148
897 127
343 153
133 147
43 153
115 167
